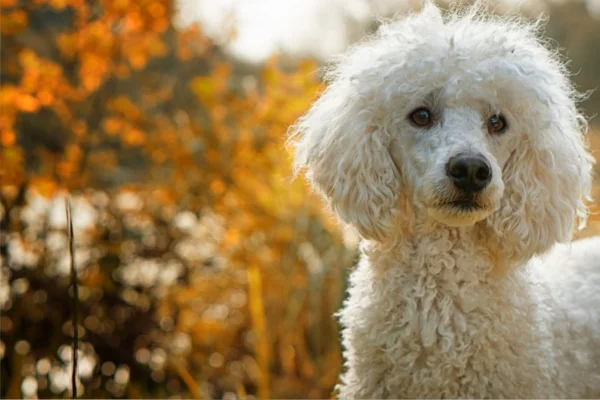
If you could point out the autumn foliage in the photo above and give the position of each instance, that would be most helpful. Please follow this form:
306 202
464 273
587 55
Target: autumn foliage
205 270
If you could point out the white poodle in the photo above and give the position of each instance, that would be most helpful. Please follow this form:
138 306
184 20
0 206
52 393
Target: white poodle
454 146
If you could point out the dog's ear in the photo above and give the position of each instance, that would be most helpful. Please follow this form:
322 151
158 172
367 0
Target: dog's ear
548 181
343 149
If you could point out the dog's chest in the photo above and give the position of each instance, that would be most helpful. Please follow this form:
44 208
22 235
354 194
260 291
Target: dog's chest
441 331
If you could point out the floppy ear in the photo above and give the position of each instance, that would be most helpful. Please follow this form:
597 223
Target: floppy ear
344 151
548 182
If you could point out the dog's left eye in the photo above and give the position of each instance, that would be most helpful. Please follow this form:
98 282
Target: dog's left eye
421 117
496 124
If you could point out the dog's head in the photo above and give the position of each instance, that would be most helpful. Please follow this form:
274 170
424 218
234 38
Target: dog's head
469 119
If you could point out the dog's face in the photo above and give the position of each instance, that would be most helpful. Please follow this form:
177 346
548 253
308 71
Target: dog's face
470 120
452 149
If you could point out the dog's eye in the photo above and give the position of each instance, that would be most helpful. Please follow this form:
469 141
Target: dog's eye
496 124
421 117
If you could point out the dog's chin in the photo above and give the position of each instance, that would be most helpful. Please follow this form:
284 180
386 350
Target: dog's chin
457 214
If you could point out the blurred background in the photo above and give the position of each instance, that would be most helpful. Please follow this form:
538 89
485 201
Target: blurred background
205 270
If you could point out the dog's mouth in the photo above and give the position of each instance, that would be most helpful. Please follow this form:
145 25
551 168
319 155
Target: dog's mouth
456 208
465 204
459 212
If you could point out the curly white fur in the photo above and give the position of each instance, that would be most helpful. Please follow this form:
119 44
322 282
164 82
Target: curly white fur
448 302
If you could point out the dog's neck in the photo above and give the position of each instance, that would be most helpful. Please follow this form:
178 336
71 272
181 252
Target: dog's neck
476 248
463 263
435 290
437 267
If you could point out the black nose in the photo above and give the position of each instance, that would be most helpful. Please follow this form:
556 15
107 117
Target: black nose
469 172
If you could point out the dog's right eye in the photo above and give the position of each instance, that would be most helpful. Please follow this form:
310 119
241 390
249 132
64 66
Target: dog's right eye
421 117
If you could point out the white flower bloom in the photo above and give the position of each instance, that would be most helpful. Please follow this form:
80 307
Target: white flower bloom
29 387
128 201
185 221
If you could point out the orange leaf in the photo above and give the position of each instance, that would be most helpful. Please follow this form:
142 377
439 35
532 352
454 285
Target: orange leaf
204 87
133 21
217 186
11 167
13 22
58 4
8 95
28 59
125 107
160 25
91 82
8 3
27 103
156 10
79 128
120 5
44 186
137 60
112 125
73 152
67 44
45 97
65 169
133 137
156 47
8 138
